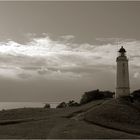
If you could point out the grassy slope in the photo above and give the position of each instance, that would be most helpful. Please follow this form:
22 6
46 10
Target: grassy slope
117 114
35 122
54 123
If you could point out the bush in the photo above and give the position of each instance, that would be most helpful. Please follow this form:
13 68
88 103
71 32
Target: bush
108 94
95 95
47 105
62 105
136 94
72 103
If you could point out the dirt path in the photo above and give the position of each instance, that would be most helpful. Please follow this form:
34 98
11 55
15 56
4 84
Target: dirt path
74 126
68 123
77 129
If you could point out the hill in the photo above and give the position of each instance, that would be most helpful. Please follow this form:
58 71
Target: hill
98 119
117 114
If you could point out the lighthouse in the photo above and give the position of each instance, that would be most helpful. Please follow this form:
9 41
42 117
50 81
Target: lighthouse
122 77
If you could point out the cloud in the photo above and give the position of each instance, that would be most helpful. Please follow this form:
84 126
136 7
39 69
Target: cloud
67 37
61 58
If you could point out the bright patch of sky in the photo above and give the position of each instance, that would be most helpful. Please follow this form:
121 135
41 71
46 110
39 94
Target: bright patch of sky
62 58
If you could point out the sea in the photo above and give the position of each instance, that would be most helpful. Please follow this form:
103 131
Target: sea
15 105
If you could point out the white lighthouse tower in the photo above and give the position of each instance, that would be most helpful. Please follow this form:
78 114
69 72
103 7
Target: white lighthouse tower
122 88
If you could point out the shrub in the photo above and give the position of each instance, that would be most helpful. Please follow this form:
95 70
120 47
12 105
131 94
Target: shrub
47 105
72 103
136 94
95 95
108 94
62 105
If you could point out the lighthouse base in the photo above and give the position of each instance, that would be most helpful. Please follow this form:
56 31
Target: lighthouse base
122 92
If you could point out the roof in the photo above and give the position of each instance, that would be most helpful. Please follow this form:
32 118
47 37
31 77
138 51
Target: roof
122 50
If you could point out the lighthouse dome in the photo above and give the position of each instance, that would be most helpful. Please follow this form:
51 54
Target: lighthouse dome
122 50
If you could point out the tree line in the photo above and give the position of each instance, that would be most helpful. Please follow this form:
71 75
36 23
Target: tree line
95 95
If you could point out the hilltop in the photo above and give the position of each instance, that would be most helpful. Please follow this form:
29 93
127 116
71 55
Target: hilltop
106 118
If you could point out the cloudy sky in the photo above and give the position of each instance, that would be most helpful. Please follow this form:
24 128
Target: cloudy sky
55 51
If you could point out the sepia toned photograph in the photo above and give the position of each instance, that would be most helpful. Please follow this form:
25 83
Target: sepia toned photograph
69 69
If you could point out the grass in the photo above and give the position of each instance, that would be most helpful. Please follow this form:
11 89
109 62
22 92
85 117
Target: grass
39 123
116 115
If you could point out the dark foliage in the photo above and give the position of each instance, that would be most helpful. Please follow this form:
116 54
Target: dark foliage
47 106
62 105
72 103
126 99
95 95
136 94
